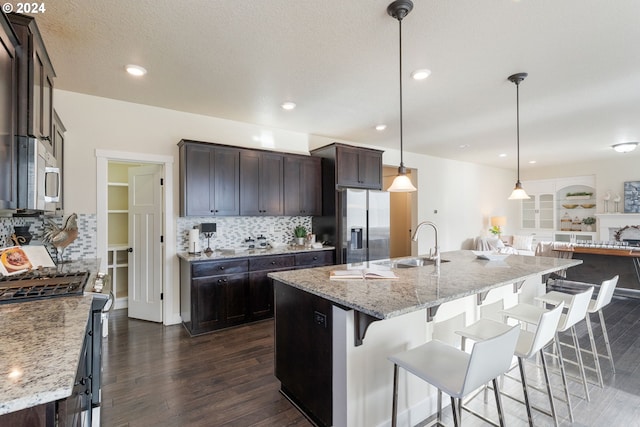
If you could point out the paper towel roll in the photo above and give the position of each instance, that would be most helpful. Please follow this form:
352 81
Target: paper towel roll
194 241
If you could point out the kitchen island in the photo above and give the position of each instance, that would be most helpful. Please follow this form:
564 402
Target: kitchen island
333 337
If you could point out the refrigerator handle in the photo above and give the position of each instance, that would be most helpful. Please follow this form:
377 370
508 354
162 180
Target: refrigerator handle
356 238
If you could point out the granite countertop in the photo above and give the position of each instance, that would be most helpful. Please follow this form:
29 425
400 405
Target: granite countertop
219 255
419 287
40 345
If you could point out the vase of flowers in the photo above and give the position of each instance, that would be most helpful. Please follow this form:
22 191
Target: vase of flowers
495 230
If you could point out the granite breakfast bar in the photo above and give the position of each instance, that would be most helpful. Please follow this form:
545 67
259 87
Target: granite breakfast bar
333 337
40 348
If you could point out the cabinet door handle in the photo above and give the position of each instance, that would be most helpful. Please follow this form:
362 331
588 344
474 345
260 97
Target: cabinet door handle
315 258
221 267
130 250
273 263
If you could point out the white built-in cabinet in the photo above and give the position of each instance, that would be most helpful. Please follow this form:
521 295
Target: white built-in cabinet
118 230
553 200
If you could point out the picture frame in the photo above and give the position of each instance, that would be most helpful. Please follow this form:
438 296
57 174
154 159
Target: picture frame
632 197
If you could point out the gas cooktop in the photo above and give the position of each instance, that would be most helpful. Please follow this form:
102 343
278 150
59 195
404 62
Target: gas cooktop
40 284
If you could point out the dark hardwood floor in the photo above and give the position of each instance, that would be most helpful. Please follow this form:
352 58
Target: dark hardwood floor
157 375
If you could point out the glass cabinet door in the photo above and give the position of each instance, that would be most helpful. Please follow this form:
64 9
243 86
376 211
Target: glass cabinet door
538 212
546 210
529 212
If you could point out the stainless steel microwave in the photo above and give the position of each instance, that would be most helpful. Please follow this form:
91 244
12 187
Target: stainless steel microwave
39 177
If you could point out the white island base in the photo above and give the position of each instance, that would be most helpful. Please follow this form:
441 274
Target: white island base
363 376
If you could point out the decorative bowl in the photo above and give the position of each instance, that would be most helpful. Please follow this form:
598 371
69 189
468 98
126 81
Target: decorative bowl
569 206
588 205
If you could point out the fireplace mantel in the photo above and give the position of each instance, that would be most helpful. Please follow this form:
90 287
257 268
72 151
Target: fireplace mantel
611 222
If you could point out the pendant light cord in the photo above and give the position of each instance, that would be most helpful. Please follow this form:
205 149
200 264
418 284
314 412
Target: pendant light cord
400 49
518 125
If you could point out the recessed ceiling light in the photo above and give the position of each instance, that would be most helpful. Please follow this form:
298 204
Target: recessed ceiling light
288 105
381 127
625 147
502 155
532 162
135 70
420 74
463 146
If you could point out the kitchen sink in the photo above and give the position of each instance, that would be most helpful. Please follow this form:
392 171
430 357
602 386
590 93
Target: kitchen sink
411 262
416 262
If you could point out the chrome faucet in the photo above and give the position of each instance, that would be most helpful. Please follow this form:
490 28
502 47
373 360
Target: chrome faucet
435 256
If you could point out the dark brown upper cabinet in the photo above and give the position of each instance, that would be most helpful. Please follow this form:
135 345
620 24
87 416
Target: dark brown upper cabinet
8 115
209 180
261 183
302 185
35 81
351 167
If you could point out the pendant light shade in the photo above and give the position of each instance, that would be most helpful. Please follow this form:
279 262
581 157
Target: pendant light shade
398 10
518 192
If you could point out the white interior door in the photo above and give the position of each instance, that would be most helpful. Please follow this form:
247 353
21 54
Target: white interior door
145 253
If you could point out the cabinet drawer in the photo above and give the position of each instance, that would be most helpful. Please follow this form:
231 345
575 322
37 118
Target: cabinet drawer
271 262
213 268
313 259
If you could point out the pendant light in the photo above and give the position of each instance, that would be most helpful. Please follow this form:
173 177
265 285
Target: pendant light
518 192
398 10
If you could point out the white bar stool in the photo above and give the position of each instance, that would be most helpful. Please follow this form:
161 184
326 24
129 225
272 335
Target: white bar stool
529 343
456 372
605 294
576 311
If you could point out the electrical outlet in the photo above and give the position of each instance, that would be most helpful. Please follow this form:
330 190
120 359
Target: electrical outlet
320 319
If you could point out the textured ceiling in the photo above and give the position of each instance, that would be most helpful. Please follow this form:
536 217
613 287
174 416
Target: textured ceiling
338 60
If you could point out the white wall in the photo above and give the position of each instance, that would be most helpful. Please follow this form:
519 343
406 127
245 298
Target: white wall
465 195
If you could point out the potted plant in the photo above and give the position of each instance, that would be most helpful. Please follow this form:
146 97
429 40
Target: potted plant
589 221
300 232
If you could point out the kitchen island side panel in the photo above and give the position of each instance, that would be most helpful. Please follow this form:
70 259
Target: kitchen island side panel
303 351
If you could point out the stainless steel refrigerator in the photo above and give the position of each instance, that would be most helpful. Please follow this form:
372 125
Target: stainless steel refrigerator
360 227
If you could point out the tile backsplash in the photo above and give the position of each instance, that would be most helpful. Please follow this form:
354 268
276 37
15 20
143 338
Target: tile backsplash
232 231
85 246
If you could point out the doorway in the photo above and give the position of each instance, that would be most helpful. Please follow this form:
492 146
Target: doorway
401 213
131 233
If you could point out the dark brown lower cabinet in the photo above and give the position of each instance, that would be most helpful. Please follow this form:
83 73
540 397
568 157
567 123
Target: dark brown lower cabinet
216 294
219 301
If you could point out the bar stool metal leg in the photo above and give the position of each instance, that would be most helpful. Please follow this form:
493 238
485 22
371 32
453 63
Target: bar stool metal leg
564 377
496 391
576 344
554 415
594 351
454 411
606 339
523 378
394 407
